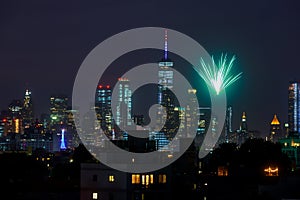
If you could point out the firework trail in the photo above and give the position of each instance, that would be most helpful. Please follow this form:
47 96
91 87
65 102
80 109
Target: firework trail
218 75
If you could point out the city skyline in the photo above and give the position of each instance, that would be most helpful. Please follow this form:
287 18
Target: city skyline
143 100
46 55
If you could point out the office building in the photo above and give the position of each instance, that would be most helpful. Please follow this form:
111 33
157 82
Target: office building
58 110
123 117
27 111
166 111
103 108
275 130
294 107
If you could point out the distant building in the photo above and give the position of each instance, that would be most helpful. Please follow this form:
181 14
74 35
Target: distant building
71 134
294 107
275 130
123 108
59 114
242 132
228 124
191 114
166 99
58 110
103 107
27 111
203 124
15 116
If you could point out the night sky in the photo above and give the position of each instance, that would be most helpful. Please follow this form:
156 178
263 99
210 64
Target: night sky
43 43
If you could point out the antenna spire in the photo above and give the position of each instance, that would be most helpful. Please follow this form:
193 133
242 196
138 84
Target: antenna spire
166 44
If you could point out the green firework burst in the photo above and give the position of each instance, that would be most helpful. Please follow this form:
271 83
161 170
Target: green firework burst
218 75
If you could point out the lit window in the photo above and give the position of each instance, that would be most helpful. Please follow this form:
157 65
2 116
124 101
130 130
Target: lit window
135 179
162 178
151 178
222 171
111 178
95 195
147 179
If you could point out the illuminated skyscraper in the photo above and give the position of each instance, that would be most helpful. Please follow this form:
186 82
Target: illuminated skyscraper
294 107
228 124
165 76
15 116
103 107
244 126
191 113
243 130
27 111
58 110
123 110
166 99
275 130
203 124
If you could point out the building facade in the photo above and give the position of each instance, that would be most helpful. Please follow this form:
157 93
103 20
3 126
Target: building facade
294 107
275 130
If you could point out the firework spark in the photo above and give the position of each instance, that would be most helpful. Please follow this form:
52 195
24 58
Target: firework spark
218 75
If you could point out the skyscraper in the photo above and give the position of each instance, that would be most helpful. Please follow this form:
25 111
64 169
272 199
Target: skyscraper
58 110
27 111
191 113
294 107
242 133
165 75
275 130
123 109
228 124
244 126
103 107
15 112
166 99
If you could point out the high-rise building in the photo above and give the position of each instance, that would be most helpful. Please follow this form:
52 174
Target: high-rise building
166 99
244 126
71 136
5 123
123 108
294 107
103 107
165 76
203 124
275 130
58 111
27 111
15 116
204 120
228 124
242 132
191 113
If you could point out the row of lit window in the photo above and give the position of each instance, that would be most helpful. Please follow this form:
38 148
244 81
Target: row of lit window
147 179
42 159
139 179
